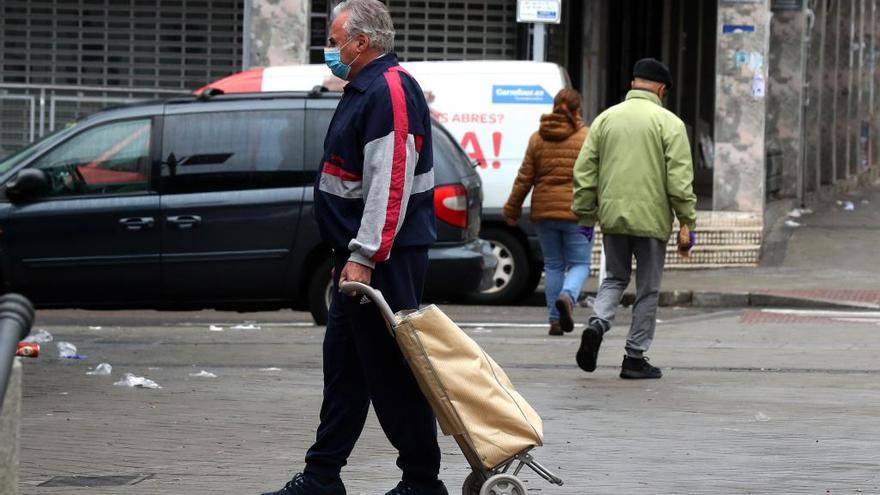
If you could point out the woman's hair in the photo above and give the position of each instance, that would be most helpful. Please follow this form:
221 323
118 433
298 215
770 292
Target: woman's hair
370 17
568 102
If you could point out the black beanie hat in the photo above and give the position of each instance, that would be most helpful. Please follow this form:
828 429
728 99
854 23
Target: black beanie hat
652 69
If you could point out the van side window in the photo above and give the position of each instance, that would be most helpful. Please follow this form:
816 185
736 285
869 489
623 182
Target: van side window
222 151
108 159
316 130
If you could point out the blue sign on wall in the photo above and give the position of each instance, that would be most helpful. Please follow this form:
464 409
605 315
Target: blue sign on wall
520 94
737 28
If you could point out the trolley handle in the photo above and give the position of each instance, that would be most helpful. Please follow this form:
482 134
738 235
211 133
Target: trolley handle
355 288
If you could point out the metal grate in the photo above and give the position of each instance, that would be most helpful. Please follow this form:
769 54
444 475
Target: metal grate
436 29
62 59
319 28
454 30
128 43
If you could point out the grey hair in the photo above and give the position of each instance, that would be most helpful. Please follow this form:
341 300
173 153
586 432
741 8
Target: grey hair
370 17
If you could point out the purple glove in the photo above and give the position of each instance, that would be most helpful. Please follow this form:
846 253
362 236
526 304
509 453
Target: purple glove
685 247
692 240
586 232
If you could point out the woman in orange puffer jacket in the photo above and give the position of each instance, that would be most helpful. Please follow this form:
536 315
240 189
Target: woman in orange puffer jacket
547 167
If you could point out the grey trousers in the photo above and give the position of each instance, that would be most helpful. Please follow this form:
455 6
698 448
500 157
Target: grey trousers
650 256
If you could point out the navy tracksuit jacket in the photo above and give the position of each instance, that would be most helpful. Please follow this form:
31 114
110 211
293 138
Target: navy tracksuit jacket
374 205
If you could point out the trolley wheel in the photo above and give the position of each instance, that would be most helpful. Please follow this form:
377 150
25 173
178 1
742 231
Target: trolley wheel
473 483
503 484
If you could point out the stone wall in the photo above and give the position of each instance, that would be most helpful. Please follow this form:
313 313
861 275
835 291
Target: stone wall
785 93
839 66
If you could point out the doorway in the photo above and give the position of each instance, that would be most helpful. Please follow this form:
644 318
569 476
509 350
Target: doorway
681 33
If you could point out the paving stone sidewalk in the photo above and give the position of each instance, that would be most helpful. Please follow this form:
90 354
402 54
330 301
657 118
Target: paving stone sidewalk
744 407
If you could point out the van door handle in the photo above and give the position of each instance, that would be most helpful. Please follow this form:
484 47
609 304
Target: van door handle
137 223
184 221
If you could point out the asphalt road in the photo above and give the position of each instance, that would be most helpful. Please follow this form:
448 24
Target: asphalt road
751 402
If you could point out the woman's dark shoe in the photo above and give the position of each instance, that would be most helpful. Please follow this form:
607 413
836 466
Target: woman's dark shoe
555 329
565 306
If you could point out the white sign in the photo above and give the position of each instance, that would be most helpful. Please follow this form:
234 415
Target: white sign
543 11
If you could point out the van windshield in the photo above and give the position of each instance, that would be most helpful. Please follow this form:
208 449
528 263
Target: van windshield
12 160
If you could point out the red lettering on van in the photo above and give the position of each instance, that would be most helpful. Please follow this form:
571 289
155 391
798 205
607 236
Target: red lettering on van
496 146
471 118
471 146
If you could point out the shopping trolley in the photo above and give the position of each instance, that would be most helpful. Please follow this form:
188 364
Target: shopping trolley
471 395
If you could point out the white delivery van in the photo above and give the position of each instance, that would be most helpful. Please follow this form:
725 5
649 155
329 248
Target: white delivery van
492 108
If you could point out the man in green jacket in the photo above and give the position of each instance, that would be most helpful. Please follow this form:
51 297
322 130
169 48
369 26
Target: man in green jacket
632 173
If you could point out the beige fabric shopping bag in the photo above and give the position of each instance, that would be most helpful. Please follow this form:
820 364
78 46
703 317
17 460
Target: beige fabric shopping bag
470 394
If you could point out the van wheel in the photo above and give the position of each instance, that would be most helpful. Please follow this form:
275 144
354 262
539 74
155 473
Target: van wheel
512 274
320 293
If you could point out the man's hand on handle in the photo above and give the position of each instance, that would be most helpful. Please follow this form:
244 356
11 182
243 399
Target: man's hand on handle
355 272
687 238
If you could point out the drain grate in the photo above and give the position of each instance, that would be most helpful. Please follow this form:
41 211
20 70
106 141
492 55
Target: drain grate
95 481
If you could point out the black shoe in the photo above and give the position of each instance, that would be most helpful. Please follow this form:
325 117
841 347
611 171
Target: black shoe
409 488
565 306
635 368
304 484
588 352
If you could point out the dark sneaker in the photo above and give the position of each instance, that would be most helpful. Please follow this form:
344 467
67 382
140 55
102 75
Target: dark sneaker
635 368
555 329
304 484
409 488
565 306
588 352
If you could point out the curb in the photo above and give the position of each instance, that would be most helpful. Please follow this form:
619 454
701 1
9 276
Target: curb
710 299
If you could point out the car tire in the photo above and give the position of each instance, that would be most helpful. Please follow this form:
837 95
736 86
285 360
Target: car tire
513 274
319 292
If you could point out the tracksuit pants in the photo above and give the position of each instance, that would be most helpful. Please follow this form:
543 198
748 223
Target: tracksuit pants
650 256
363 365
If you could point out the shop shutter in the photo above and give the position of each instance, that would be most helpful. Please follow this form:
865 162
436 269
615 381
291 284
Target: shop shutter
437 30
128 43
455 30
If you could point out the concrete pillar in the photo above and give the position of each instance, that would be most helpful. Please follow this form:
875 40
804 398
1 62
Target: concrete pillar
9 419
276 33
865 76
785 93
844 87
593 86
833 66
873 96
740 102
817 110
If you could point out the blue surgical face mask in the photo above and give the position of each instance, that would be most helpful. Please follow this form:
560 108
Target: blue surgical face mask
333 59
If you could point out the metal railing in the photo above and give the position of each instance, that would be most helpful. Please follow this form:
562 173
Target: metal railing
29 111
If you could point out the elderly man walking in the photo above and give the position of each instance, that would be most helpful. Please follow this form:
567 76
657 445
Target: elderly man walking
374 207
633 172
